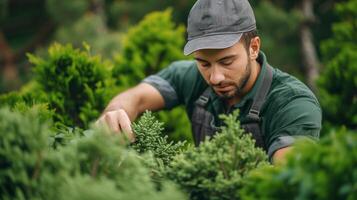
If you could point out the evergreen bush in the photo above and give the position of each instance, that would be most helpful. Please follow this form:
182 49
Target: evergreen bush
338 83
24 103
75 84
23 148
320 171
216 169
97 166
148 47
149 137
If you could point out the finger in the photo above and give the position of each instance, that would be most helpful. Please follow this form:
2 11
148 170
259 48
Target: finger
112 122
125 124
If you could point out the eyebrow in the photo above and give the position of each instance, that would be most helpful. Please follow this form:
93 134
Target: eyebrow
221 59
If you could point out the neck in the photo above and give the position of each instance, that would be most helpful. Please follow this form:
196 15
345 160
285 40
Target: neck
256 68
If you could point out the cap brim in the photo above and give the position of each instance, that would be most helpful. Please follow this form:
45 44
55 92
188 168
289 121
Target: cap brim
211 42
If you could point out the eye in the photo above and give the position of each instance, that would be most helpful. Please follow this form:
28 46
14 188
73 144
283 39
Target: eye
227 62
205 64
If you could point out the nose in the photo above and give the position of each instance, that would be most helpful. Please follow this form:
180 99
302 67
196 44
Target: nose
216 76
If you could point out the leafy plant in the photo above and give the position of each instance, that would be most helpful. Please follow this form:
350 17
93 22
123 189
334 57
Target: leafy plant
76 85
23 145
97 166
24 102
338 83
324 170
148 47
149 137
216 169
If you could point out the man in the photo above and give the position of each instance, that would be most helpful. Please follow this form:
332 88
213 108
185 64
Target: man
230 72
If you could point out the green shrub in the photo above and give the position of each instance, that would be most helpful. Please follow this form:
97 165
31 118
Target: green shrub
147 48
103 160
75 84
23 146
149 137
24 103
324 170
97 166
338 83
216 168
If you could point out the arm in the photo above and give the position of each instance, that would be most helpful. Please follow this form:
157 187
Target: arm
126 106
279 155
300 118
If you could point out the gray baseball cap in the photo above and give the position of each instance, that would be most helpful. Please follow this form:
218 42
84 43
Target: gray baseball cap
218 24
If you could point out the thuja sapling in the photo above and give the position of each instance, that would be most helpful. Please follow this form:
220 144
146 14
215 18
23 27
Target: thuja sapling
216 169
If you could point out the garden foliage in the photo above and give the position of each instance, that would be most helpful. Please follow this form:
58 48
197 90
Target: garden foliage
76 84
97 166
150 138
40 160
338 82
321 171
148 47
216 169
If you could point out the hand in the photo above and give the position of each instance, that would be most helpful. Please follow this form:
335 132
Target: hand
117 121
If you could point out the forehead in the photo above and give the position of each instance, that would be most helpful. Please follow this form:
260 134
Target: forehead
214 54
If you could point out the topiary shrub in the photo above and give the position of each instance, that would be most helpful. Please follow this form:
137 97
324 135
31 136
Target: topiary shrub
338 83
216 169
75 84
324 170
147 48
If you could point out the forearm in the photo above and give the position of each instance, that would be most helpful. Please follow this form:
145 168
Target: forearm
136 100
126 101
280 155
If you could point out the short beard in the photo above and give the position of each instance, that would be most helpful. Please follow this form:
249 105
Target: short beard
241 84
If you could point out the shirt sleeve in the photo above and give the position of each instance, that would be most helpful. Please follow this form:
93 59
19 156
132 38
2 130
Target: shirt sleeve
175 82
301 117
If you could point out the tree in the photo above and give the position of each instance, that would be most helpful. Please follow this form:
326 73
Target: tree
309 54
338 83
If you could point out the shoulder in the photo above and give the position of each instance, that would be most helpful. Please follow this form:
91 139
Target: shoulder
291 107
292 111
181 68
181 78
286 88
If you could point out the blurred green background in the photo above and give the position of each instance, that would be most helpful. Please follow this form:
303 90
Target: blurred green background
31 25
314 40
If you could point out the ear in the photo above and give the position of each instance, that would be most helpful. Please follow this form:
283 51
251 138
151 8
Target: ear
254 48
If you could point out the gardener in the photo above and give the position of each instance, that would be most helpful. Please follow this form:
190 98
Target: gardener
229 72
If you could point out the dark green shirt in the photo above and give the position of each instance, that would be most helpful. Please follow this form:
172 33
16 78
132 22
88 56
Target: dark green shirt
291 110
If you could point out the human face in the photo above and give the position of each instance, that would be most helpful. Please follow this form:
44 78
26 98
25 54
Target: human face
227 71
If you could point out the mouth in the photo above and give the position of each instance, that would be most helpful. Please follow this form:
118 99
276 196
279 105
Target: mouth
224 89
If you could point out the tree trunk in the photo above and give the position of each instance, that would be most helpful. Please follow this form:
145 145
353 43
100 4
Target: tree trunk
9 71
310 60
